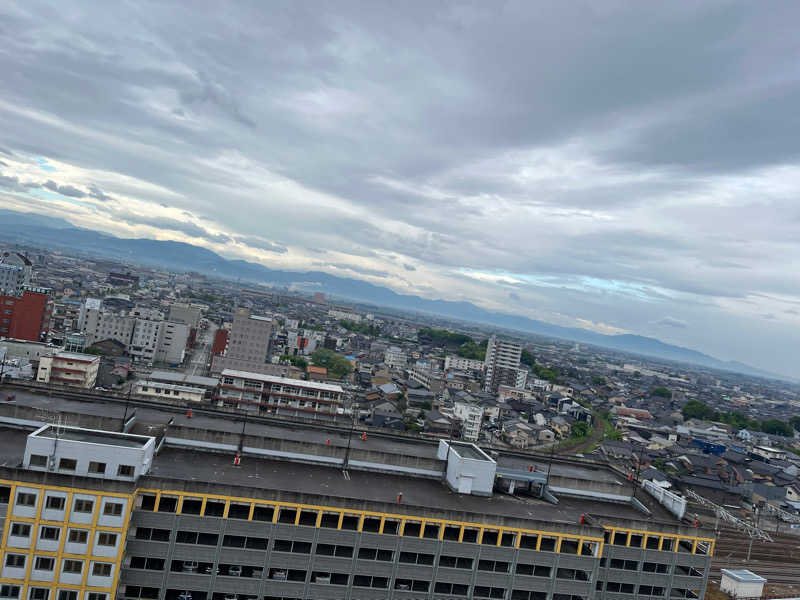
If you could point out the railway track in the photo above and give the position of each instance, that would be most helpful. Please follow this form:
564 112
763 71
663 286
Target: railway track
778 561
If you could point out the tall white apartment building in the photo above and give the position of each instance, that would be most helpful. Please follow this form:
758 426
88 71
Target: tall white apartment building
502 365
471 417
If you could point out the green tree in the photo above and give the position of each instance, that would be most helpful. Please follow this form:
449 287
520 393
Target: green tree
661 392
471 350
795 422
580 429
776 427
442 336
694 409
338 366
297 361
527 358
597 380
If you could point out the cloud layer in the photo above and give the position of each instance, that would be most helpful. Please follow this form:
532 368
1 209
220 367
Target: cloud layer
613 166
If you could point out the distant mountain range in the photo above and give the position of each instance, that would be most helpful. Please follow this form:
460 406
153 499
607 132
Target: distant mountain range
56 233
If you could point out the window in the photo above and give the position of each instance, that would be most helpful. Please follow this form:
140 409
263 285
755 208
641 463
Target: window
489 592
107 539
9 591
113 509
73 566
39 594
38 460
491 565
20 529
97 596
44 563
101 569
26 499
55 502
49 533
125 471
15 561
67 595
78 536
67 464
83 506
455 562
97 468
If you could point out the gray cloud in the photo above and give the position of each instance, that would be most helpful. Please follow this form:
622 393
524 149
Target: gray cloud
672 322
260 243
64 190
648 167
98 194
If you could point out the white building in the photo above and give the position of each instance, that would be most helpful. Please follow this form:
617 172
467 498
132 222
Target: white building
168 391
471 417
459 363
344 315
502 365
395 358
69 368
278 395
15 272
741 583
89 452
188 314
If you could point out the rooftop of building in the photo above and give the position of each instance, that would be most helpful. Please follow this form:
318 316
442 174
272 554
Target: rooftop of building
743 575
368 485
76 356
91 436
282 380
177 377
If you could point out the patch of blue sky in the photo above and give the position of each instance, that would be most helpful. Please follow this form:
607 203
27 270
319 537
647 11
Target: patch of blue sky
44 165
50 196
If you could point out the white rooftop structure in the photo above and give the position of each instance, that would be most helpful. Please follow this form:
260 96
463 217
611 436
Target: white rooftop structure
741 583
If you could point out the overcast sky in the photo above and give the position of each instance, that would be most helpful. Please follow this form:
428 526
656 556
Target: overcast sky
619 166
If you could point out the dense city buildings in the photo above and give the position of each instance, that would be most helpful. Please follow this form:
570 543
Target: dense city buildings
15 272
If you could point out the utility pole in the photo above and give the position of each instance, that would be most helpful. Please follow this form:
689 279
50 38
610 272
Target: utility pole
125 415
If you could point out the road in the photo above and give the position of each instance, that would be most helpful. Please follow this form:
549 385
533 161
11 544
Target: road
198 361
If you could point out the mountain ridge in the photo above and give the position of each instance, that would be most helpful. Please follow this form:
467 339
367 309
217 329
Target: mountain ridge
47 231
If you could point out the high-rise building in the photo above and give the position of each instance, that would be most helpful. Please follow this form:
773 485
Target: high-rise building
301 513
249 344
25 316
502 365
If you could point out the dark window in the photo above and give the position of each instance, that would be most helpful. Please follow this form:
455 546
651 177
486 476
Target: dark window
239 511
68 464
233 541
263 513
55 502
191 506
214 509
38 460
168 504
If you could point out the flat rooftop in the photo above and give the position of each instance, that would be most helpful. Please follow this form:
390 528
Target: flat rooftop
743 575
91 436
173 377
364 487
272 478
465 450
282 380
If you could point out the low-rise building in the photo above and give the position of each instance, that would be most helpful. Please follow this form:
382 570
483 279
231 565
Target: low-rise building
68 368
168 391
267 394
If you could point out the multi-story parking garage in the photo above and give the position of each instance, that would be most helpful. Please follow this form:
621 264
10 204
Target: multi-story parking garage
94 515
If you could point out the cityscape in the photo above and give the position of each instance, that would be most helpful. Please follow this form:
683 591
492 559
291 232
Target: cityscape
372 300
497 452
